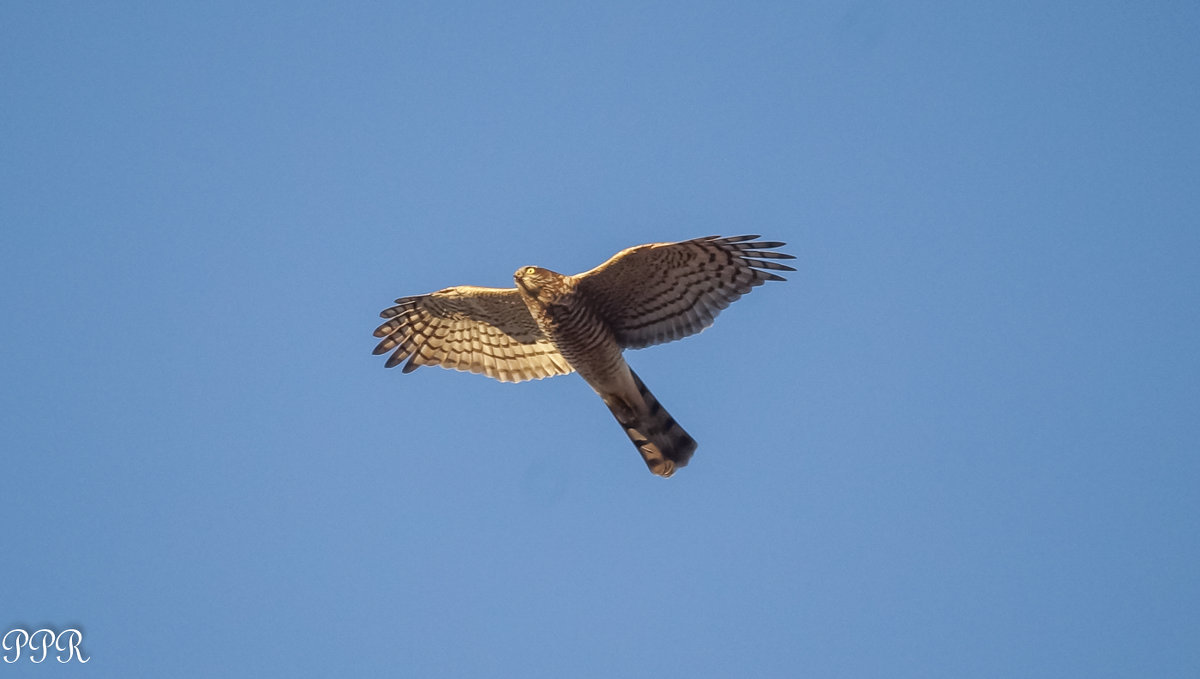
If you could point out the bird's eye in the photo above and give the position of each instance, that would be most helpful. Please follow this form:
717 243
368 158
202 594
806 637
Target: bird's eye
529 270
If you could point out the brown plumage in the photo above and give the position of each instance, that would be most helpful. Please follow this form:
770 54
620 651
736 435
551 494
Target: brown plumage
551 324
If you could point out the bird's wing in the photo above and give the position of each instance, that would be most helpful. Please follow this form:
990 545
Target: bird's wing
481 330
660 292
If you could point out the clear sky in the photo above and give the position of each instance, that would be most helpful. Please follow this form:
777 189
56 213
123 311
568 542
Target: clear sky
962 440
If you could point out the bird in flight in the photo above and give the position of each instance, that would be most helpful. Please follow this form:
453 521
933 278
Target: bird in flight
551 324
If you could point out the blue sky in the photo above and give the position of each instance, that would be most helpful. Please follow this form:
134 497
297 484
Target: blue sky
961 440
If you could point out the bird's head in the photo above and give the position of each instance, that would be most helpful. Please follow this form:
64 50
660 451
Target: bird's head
541 284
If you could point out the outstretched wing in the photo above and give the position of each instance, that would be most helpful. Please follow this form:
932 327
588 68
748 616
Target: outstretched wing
660 292
481 330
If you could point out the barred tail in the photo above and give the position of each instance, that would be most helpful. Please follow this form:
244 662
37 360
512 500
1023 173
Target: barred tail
664 444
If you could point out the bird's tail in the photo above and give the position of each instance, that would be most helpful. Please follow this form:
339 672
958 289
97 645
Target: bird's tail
664 444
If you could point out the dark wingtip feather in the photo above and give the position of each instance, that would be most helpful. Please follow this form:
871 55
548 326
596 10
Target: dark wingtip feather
771 265
764 244
767 254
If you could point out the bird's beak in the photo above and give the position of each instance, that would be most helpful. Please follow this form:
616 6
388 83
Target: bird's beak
523 284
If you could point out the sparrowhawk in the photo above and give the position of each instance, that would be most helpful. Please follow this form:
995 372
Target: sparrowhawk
551 324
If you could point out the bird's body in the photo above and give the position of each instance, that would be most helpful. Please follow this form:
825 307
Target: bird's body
553 324
565 316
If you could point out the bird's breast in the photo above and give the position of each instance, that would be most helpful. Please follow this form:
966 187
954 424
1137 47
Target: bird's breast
583 338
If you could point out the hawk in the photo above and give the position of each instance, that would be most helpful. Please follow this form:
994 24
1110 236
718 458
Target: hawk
551 324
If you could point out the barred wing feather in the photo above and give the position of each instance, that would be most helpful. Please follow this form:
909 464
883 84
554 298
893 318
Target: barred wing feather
661 292
474 329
